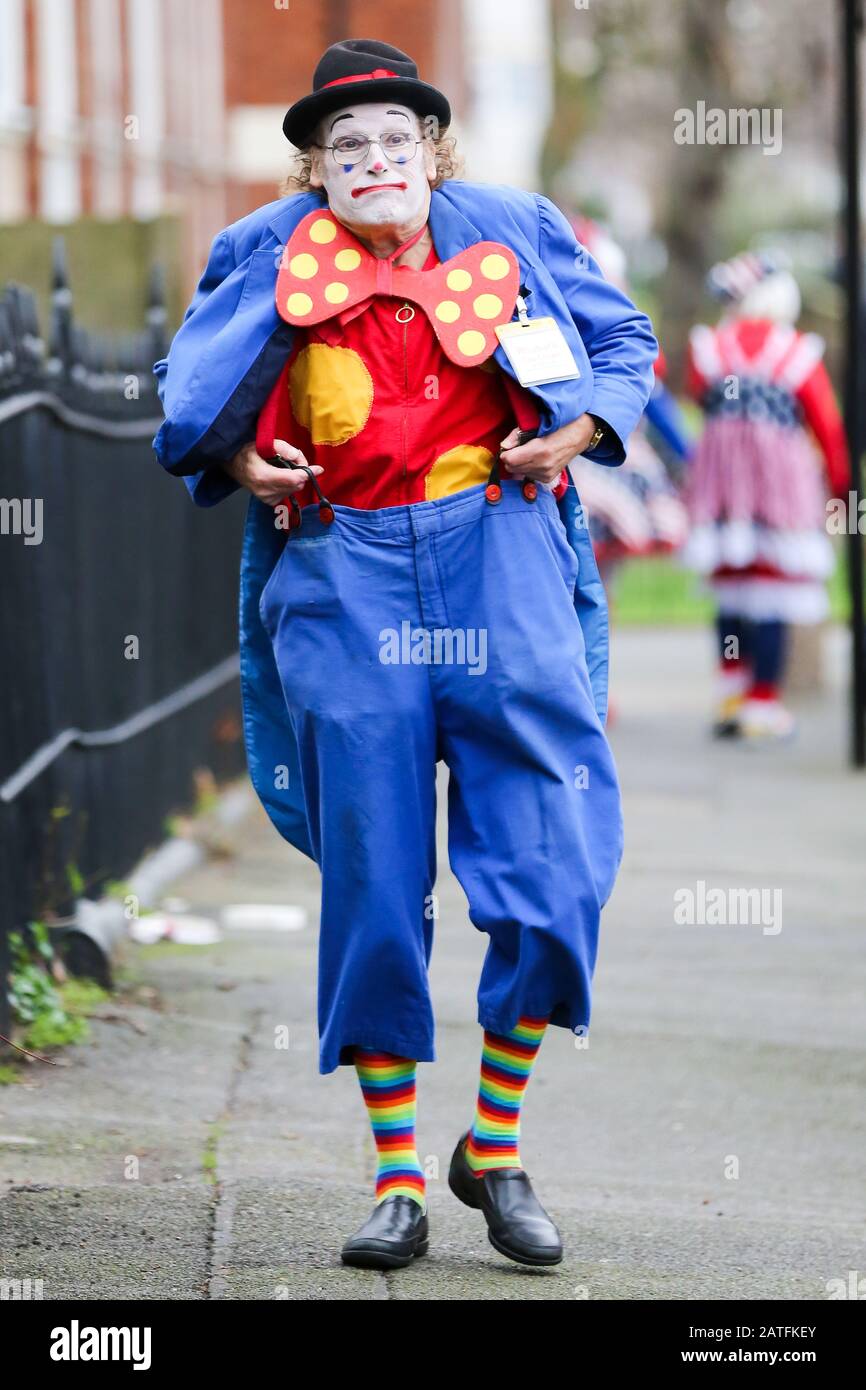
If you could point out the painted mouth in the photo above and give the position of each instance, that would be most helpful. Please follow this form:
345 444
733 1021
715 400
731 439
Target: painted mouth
375 188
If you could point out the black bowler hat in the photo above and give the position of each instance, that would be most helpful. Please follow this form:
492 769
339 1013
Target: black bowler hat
369 71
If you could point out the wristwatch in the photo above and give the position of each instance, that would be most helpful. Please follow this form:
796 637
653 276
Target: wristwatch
597 437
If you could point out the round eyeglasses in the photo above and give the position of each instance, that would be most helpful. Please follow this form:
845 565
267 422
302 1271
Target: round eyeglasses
396 145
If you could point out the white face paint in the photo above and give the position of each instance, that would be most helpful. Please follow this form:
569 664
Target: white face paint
375 192
776 297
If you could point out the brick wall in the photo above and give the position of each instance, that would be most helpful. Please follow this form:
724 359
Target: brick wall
271 51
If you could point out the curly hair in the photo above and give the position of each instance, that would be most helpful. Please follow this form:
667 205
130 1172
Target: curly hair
449 165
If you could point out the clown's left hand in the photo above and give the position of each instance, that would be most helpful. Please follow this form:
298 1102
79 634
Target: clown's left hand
544 459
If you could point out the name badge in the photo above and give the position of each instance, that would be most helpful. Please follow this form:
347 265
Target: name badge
537 350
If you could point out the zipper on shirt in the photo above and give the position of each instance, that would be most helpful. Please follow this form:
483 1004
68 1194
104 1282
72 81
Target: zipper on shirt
403 428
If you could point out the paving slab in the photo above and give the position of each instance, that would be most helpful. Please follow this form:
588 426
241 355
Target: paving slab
707 1144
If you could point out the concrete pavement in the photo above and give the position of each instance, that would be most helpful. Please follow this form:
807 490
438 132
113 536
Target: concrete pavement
707 1144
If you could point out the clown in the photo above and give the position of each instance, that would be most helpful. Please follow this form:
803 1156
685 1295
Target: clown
755 492
398 366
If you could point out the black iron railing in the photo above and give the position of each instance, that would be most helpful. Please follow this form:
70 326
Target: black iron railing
118 613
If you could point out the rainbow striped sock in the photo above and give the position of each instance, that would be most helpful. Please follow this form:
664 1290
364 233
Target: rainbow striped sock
388 1086
506 1066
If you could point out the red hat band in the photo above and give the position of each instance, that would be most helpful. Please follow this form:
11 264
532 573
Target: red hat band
359 77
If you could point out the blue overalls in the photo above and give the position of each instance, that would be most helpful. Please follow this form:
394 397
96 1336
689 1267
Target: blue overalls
445 629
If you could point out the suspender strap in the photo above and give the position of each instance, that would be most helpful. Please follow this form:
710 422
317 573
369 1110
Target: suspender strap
493 490
326 511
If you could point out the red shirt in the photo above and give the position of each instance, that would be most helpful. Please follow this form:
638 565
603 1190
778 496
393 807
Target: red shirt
375 401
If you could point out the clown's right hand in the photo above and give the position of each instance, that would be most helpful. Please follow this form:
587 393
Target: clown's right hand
265 480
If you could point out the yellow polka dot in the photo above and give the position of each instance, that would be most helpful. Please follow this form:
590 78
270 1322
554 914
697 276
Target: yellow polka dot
487 306
471 343
322 231
298 304
335 293
458 280
348 259
331 392
494 267
304 266
447 311
462 467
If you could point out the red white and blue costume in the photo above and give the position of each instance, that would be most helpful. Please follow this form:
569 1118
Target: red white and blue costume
758 483
773 440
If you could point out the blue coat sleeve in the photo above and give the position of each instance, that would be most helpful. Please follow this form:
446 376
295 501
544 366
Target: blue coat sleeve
665 417
618 338
204 317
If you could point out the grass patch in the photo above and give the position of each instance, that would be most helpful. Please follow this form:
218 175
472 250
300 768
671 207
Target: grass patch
658 592
209 1157
55 1028
49 1008
67 1022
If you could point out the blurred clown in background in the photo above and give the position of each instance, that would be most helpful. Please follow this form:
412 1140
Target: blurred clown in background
756 488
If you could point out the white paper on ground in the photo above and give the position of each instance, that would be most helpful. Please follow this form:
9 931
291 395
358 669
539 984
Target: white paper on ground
263 917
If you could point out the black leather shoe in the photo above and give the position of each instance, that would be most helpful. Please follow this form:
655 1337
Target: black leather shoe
394 1233
517 1224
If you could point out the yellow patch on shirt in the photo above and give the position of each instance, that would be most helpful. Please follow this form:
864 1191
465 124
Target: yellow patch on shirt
331 392
461 467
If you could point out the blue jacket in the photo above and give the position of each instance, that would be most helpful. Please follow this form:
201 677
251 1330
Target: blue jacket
231 346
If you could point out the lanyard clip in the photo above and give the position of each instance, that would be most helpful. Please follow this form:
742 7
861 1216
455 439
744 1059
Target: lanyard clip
522 314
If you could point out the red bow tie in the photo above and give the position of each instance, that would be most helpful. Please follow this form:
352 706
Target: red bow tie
326 269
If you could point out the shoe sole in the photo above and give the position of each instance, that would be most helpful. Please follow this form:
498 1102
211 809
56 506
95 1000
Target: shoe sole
380 1259
522 1259
471 1201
